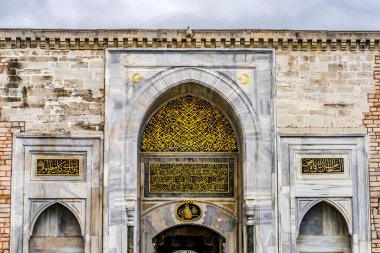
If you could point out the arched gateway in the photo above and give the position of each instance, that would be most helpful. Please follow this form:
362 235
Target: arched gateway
183 147
189 175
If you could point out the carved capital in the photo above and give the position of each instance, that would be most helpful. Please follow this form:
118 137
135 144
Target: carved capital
250 213
130 210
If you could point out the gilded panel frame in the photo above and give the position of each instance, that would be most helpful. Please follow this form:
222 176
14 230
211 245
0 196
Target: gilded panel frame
231 160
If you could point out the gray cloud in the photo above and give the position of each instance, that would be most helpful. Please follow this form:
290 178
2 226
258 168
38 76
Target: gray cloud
198 14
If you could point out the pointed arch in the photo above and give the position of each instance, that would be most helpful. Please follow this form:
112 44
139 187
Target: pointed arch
337 206
66 213
56 229
323 228
47 205
216 82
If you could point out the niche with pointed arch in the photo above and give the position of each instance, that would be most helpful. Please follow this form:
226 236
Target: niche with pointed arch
323 229
56 230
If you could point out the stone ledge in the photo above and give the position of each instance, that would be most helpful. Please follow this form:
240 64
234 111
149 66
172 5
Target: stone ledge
99 39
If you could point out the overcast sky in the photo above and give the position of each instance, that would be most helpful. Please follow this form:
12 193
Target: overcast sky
198 14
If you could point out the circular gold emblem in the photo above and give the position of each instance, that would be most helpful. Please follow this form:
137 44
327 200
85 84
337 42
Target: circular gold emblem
136 78
243 79
188 211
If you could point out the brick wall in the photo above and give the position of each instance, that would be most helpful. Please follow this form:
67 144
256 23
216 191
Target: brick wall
372 122
7 129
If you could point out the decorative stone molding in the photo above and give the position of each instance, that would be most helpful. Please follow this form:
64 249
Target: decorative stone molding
130 210
100 39
250 214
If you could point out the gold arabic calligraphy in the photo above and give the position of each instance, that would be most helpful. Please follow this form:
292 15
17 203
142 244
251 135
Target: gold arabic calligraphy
57 167
188 177
322 165
189 124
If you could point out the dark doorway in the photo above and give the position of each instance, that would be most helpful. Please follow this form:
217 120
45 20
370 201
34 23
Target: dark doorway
189 239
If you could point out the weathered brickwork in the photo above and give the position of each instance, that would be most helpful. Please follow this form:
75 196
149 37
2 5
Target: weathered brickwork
372 122
322 92
7 129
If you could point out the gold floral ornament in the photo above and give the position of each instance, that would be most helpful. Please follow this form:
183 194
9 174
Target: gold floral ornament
189 124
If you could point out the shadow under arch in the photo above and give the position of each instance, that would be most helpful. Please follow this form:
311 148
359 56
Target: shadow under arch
189 238
323 228
44 207
56 229
339 208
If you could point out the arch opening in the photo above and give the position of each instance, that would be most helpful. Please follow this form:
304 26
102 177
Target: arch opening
323 229
188 238
189 146
56 229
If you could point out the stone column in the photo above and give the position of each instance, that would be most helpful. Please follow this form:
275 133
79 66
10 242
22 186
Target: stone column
130 209
249 212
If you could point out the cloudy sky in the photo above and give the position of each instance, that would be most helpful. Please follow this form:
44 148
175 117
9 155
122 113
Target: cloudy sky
198 14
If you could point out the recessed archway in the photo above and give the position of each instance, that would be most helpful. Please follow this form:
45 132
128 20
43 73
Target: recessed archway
323 229
130 106
193 129
189 238
56 230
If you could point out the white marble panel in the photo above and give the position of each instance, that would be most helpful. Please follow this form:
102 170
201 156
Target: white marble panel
347 192
30 197
216 71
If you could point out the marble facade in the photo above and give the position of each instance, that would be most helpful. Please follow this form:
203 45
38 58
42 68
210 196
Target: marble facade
272 199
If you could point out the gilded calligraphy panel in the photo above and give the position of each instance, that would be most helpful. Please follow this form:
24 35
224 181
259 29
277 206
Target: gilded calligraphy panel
189 177
322 165
58 167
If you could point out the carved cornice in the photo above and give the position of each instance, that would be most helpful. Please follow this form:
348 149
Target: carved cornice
277 39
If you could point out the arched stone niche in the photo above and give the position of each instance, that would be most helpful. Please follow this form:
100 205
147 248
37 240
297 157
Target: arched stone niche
343 206
161 218
56 230
323 229
76 207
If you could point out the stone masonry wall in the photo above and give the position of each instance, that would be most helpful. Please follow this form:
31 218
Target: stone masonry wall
62 91
323 92
54 92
